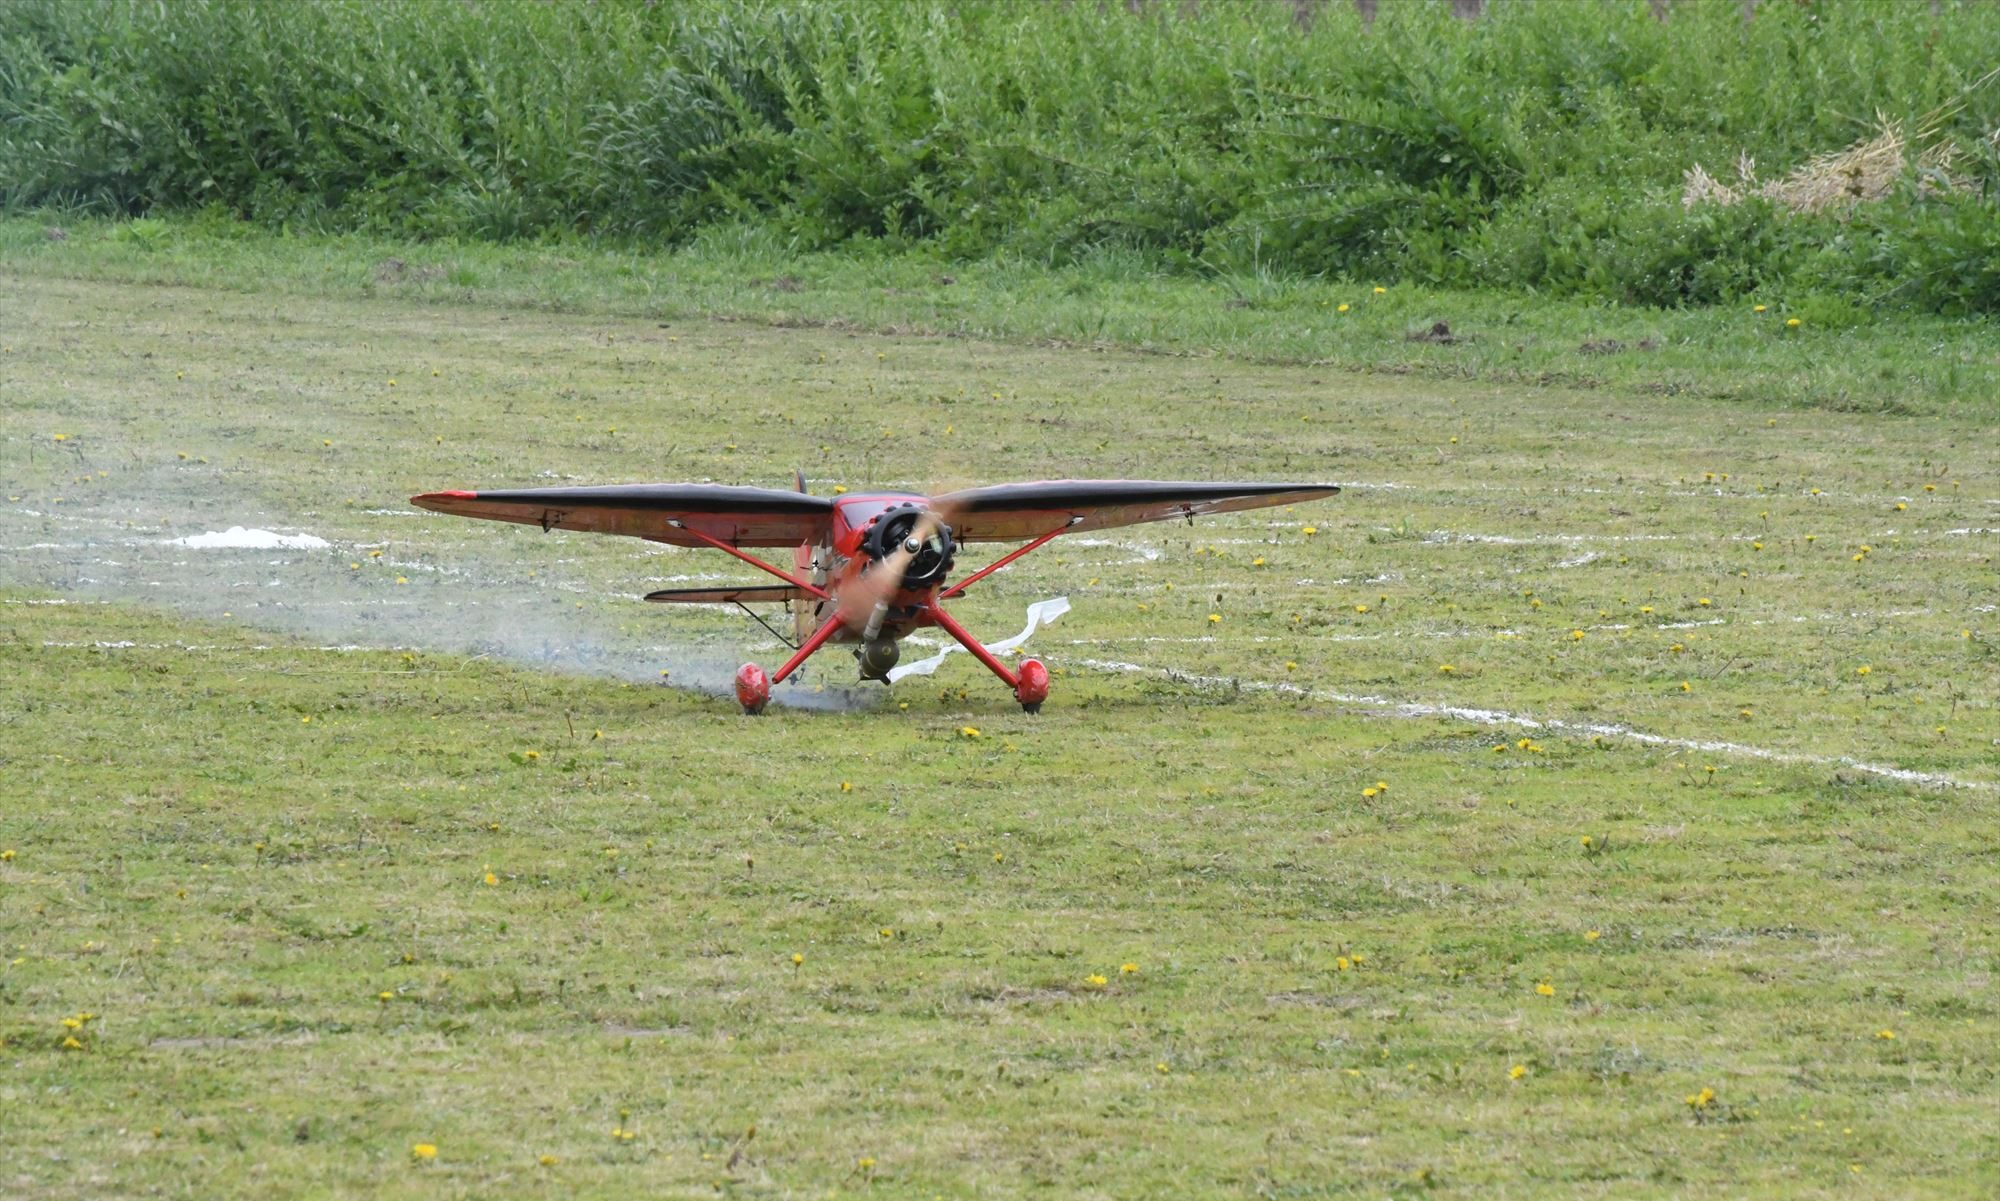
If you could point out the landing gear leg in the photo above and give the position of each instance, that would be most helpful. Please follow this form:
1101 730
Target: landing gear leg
753 690
1030 685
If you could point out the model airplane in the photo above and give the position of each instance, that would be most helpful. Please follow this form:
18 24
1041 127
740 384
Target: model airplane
866 569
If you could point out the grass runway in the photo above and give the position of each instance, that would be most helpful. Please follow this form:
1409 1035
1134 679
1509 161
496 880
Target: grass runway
1681 882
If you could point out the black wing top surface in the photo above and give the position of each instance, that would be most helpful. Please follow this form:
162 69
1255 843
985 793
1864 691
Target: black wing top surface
1012 512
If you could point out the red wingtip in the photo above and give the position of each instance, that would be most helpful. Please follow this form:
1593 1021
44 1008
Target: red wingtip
430 500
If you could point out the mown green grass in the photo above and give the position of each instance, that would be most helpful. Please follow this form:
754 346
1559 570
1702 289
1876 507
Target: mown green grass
229 887
1838 357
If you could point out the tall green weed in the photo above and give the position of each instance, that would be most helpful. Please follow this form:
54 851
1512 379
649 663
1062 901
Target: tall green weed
1540 147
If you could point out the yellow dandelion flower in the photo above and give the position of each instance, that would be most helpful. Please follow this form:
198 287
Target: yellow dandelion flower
72 1023
1310 530
998 857
797 959
1585 841
866 1163
1791 323
424 1151
1886 1035
7 856
385 997
968 731
1545 989
1256 562
1862 670
846 787
71 1044
1576 635
1161 1067
1517 1071
547 1161
1213 618
1381 291
1095 980
1340 308
1704 602
491 880
1342 963
1127 969
1757 308
1591 936
1368 792
1687 686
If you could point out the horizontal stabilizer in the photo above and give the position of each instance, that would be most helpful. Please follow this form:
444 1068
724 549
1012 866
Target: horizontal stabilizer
723 596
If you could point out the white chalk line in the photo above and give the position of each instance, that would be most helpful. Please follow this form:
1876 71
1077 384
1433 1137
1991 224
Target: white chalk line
1497 717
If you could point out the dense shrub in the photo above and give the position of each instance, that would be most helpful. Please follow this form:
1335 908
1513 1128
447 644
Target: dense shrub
1540 147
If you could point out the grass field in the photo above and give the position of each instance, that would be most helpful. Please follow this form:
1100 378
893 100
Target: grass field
1597 799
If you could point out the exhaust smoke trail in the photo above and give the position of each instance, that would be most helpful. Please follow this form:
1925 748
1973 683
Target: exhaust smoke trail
173 539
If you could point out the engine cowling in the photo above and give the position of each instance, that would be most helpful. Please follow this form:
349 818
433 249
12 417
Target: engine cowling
893 530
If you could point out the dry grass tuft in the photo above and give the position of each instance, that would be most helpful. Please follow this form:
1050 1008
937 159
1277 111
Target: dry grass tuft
1838 181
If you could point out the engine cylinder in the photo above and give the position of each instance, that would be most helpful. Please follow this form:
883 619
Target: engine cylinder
877 657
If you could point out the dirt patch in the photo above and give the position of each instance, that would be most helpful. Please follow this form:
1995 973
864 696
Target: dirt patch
1313 1000
1614 346
1439 333
396 271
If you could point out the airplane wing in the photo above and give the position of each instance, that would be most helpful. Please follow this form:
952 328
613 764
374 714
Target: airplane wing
738 516
1012 512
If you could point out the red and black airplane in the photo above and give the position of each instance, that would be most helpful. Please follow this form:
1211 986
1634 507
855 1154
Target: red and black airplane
866 569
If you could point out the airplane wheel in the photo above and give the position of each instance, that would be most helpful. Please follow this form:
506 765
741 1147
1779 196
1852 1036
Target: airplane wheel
753 689
1033 687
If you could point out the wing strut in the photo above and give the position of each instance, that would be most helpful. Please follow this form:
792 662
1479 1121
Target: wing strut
960 587
752 560
767 625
